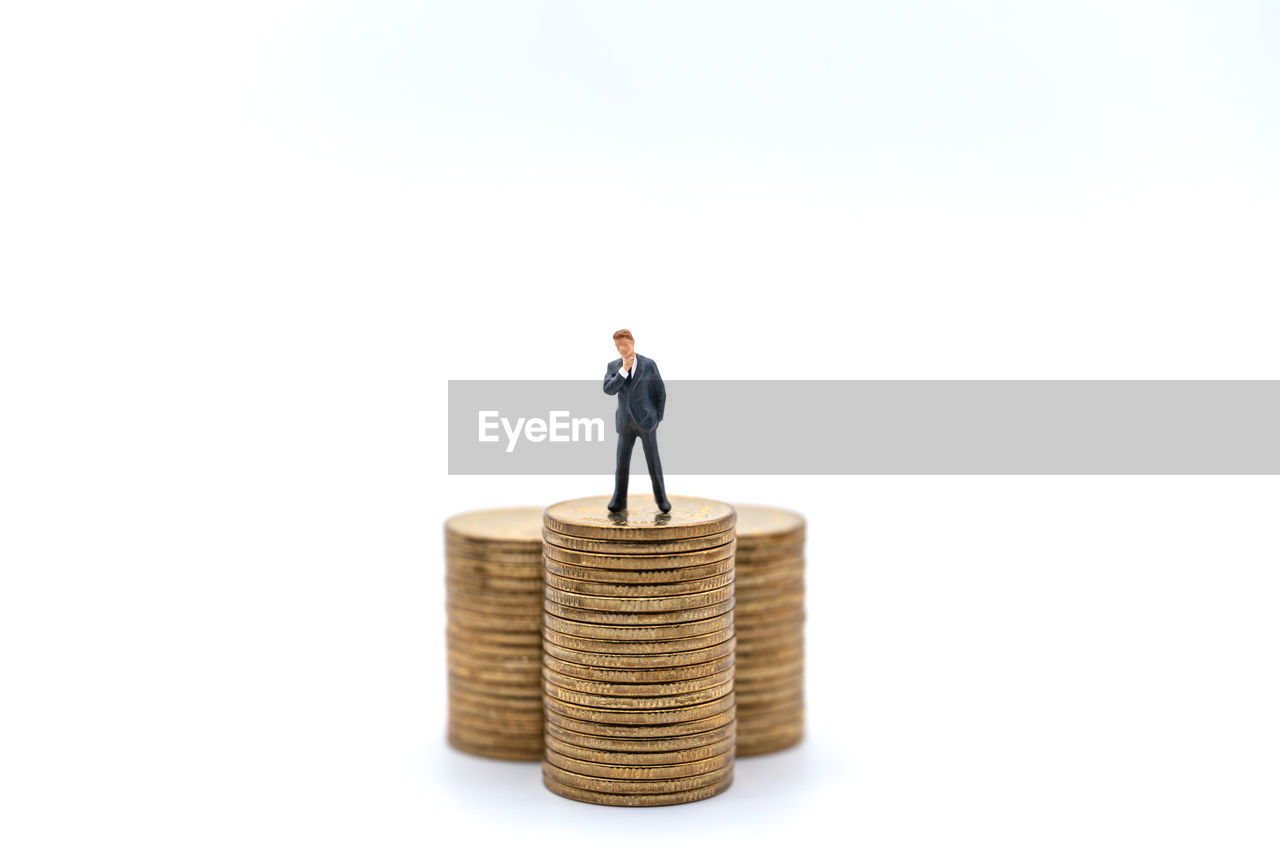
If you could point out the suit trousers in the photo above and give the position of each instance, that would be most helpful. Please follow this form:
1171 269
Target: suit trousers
626 441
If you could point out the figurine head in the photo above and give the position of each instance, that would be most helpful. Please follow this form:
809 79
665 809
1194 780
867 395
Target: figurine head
624 342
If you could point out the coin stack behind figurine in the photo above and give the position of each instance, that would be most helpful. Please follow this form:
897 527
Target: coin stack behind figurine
493 585
638 651
770 627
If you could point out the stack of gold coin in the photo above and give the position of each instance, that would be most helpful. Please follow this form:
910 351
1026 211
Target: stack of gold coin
638 651
770 626
493 603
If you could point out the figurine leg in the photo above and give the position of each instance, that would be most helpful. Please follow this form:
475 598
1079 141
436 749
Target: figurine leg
626 441
650 441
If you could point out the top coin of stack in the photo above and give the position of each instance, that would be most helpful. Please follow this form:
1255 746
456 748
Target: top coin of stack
493 585
638 651
770 626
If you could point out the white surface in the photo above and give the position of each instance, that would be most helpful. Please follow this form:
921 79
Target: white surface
246 246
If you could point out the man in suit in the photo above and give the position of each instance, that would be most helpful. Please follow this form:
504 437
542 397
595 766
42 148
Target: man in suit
641 400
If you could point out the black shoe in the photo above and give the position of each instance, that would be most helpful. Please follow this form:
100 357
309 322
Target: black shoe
617 508
664 505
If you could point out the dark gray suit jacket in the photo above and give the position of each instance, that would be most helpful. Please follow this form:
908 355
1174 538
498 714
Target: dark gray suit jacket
642 397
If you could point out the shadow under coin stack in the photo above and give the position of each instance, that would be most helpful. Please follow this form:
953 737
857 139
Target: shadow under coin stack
770 627
638 660
493 582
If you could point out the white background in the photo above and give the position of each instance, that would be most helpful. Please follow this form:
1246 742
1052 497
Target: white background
245 245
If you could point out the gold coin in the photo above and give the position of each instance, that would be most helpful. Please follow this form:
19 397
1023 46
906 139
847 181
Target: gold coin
756 556
785 646
771 718
659 618
633 703
611 757
760 726
763 586
512 653
760 523
771 671
635 787
640 604
487 597
497 717
679 588
779 697
634 562
770 703
634 717
637 661
793 565
479 569
774 604
638 745
675 771
506 562
773 649
638 647
493 606
648 547
465 696
777 643
637 633
514 696
763 601
765 625
496 740
641 689
775 730
496 657
500 681
779 711
616 800
523 691
453 540
764 557
775 665
666 730
480 585
493 623
484 738
753 677
474 601
674 673
494 725
499 524
498 678
757 685
501 658
500 636
515 752
763 583
602 575
765 644
773 741
642 520
494 671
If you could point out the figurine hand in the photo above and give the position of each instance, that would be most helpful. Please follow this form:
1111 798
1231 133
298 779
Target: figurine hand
628 362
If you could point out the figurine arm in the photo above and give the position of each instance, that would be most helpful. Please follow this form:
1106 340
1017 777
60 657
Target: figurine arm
659 392
612 382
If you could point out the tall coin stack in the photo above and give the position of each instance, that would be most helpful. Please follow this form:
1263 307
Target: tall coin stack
493 603
638 651
770 626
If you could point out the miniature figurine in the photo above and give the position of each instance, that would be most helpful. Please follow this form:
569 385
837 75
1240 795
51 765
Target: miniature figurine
641 400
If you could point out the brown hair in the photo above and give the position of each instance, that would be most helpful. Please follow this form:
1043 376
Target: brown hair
623 333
